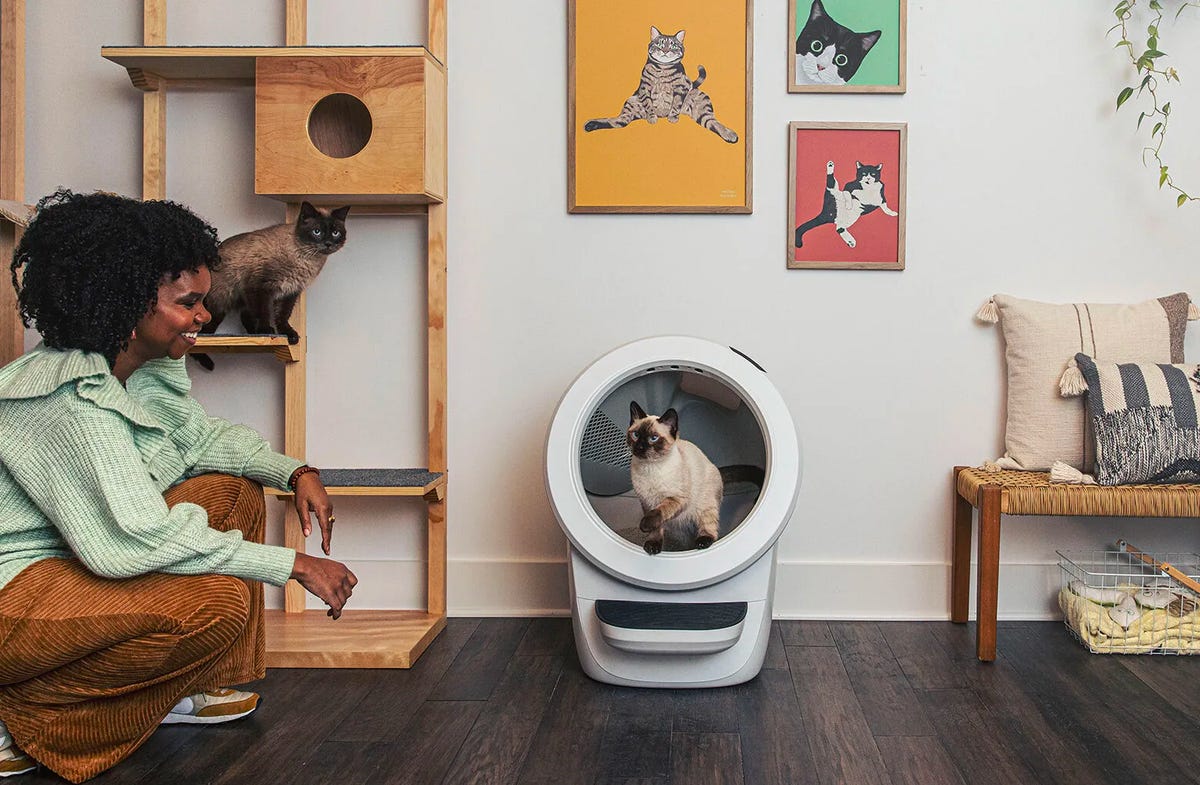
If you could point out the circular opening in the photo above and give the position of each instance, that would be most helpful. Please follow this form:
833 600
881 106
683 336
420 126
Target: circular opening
714 426
339 125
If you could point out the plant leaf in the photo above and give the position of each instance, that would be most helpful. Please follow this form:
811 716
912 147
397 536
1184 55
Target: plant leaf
1182 198
1162 176
1124 96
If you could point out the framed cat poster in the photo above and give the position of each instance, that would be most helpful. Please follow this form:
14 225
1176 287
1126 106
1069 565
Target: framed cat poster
846 46
846 200
659 106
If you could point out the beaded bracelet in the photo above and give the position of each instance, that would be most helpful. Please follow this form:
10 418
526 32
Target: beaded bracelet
300 471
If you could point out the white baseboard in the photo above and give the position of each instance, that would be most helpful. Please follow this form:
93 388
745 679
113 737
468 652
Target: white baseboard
803 590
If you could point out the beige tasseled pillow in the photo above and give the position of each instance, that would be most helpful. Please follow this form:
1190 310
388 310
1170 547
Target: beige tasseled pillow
1040 339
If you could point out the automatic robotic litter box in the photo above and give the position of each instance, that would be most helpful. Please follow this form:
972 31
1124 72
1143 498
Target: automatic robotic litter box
684 617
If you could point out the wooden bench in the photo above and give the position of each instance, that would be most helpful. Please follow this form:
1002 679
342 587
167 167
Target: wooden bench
997 493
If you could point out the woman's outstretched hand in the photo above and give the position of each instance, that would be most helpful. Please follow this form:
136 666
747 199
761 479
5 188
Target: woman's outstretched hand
327 579
311 499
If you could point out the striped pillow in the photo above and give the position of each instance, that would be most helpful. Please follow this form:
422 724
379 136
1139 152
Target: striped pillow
1144 417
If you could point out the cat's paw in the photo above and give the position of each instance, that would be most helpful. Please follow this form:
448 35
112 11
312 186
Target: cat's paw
829 167
651 522
704 540
651 119
653 547
592 125
673 118
292 336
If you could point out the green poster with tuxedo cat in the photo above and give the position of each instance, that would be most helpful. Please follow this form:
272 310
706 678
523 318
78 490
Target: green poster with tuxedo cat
847 46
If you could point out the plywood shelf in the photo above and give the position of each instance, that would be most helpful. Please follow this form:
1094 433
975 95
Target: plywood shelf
229 64
359 639
15 212
380 482
248 344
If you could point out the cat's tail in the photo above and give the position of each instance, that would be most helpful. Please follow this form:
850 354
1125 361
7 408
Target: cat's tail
700 79
742 473
205 361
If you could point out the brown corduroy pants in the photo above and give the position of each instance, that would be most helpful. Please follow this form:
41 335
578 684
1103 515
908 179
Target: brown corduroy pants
89 666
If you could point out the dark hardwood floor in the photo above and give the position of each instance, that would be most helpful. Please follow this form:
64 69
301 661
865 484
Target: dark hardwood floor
837 703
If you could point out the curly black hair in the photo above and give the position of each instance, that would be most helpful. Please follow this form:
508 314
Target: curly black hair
93 264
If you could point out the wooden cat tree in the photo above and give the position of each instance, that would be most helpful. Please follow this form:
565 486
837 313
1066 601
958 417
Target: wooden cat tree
364 126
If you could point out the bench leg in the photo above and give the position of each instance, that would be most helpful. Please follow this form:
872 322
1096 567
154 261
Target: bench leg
960 559
989 572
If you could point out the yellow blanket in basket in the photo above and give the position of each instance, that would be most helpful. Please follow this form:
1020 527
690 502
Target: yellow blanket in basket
1153 630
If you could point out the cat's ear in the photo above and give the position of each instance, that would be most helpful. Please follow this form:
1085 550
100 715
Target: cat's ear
341 212
858 164
670 418
869 39
880 168
635 412
679 36
654 32
818 11
307 211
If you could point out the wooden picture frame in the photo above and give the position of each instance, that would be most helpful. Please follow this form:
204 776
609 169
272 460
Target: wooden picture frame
853 228
815 64
634 143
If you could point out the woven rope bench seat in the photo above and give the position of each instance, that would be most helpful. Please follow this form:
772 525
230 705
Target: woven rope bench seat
997 493
1032 493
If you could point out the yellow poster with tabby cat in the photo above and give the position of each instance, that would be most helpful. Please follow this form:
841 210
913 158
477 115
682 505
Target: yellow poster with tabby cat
659 106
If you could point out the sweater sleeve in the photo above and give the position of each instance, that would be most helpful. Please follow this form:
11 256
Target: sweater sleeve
210 444
87 477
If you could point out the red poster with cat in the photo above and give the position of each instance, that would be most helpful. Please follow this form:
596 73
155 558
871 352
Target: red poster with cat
846 200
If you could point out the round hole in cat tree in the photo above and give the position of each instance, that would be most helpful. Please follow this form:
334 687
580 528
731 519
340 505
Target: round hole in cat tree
339 125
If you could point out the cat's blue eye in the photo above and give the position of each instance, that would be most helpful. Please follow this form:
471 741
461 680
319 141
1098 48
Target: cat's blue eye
316 232
335 233
653 439
817 46
841 59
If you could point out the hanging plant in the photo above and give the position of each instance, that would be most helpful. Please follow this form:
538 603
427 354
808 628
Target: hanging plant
1153 78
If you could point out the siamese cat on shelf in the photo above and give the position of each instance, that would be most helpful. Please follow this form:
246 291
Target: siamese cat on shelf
673 479
263 272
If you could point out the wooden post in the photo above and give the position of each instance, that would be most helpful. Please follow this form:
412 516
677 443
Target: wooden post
989 572
296 23
12 163
295 375
295 419
437 29
436 315
154 107
436 595
960 559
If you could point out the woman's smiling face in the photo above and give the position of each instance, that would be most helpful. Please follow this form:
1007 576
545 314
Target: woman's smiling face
169 328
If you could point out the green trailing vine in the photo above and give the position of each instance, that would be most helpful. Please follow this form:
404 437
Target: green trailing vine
1153 78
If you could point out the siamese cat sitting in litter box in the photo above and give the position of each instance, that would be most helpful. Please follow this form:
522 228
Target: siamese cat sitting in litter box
673 478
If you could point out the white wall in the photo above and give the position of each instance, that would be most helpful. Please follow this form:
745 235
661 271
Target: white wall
1020 180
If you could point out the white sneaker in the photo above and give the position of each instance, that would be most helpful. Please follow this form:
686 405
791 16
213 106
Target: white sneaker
213 706
12 760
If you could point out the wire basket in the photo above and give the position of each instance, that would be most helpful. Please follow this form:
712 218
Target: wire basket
1117 602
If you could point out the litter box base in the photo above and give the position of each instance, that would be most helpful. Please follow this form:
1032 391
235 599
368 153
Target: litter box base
630 635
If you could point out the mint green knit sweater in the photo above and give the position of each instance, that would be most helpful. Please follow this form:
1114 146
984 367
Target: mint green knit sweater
84 462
